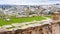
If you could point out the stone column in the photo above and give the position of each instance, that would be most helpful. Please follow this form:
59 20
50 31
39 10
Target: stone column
54 25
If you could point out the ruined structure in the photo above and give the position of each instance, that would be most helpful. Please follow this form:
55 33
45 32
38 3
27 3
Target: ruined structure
55 24
47 28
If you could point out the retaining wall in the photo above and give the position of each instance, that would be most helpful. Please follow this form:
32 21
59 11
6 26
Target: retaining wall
53 28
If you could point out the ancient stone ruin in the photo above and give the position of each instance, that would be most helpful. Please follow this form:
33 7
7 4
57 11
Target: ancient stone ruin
52 27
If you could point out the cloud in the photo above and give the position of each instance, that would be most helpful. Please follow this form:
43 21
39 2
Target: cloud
28 2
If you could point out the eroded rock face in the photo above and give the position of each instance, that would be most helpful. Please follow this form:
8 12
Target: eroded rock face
19 31
26 31
46 29
35 30
6 32
55 29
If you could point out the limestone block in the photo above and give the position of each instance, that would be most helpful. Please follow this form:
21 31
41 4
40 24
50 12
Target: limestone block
55 29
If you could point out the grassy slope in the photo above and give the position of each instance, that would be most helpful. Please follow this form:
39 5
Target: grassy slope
20 20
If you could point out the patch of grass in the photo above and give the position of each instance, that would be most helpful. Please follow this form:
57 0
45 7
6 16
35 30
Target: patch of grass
48 16
20 20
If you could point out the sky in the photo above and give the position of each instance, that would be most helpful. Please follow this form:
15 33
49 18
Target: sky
29 2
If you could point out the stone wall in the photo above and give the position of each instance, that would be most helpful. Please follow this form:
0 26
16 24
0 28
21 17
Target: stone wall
53 28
